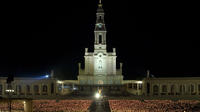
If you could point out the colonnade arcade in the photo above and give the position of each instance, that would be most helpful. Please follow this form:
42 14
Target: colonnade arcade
26 88
172 86
176 89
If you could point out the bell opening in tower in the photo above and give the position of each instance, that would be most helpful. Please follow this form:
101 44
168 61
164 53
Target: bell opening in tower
100 39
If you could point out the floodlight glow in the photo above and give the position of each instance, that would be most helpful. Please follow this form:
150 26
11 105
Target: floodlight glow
59 82
47 76
139 82
10 90
97 95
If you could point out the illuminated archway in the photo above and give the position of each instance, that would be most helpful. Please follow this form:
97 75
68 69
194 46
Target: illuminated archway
100 82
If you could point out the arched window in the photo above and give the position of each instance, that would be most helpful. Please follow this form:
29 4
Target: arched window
60 87
52 88
192 88
164 88
36 89
181 88
172 89
135 86
100 39
17 89
140 86
129 85
44 88
148 88
28 89
1 89
20 89
100 82
199 87
155 90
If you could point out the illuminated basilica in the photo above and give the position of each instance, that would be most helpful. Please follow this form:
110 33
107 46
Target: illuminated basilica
100 71
100 65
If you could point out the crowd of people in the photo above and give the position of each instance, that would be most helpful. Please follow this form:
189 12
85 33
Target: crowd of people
17 106
50 106
154 106
115 106
61 105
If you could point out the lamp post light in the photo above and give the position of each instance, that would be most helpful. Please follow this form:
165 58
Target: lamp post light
9 88
97 95
10 91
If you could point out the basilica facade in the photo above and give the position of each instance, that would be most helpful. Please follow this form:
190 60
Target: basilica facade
100 65
100 71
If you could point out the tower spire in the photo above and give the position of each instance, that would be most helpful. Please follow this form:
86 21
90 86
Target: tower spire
100 29
100 3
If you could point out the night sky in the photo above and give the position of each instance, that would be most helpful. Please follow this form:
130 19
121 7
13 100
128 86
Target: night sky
43 36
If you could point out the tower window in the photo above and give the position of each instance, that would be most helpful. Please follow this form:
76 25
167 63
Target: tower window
100 38
99 17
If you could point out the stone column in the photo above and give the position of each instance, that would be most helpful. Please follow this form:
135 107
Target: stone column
28 106
31 89
144 88
56 87
48 89
176 89
151 89
39 87
185 89
62 88
159 89
198 89
3 89
168 88
25 90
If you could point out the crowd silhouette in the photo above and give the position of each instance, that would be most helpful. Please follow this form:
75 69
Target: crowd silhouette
154 106
115 106
51 106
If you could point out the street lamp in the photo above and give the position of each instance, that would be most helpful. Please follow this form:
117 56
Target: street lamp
9 91
97 95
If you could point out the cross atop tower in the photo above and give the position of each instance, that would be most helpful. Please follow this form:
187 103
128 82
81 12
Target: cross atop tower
100 4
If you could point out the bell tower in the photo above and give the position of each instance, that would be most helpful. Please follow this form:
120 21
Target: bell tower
100 65
100 29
